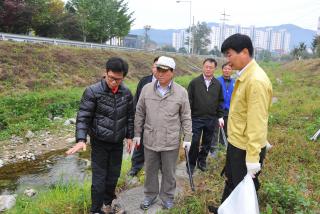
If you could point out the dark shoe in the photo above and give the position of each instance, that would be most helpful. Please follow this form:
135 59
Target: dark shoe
133 172
147 202
202 166
213 209
167 204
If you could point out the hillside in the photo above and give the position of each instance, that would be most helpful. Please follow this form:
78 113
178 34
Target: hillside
290 176
37 66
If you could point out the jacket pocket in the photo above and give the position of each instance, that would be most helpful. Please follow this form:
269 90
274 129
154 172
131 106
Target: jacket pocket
148 137
173 137
238 124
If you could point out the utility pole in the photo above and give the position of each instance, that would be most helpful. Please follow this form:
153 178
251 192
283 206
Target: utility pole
222 30
146 36
190 33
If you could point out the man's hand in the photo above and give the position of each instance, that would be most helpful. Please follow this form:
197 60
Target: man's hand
130 145
136 140
80 145
186 145
221 122
253 168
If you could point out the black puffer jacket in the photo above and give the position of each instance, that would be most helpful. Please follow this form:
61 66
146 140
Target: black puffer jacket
105 116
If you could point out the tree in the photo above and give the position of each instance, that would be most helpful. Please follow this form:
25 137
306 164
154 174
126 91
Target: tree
200 38
47 16
15 16
215 51
168 48
70 28
102 20
264 55
182 50
299 51
315 45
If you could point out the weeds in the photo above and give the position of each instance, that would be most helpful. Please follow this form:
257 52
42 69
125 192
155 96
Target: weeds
71 197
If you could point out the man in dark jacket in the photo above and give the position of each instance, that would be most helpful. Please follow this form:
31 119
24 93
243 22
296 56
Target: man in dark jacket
138 154
106 113
206 99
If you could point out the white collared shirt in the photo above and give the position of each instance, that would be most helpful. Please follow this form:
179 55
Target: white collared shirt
207 81
163 91
243 69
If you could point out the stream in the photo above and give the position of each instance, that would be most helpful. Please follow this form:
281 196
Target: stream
45 171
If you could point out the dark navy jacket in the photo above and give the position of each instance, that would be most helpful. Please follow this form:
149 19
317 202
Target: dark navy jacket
144 81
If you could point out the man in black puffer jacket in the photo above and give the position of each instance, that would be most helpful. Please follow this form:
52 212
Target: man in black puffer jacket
106 113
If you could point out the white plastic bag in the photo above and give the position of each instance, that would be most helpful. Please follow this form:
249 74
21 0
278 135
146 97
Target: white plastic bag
243 199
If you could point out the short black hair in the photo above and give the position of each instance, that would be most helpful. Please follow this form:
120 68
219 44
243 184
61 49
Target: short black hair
156 59
237 42
116 64
210 60
224 65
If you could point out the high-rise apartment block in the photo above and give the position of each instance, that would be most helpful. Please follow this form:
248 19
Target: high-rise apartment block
179 39
263 39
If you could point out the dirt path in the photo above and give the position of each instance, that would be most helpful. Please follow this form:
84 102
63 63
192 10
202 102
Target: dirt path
131 199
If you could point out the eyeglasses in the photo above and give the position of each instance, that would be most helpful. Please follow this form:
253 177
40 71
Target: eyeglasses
111 79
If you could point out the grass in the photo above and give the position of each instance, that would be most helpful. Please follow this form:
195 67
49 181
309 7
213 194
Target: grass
290 177
27 67
65 198
35 110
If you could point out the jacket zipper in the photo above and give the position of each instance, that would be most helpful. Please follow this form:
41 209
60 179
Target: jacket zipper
115 116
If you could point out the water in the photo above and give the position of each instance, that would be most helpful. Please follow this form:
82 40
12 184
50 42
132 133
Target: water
45 171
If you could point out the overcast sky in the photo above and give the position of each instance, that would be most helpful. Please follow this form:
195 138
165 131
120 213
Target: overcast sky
167 14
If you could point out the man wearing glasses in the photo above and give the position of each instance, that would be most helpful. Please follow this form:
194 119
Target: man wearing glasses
106 114
163 112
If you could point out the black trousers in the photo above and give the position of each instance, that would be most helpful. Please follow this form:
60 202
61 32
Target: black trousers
235 169
137 159
206 127
106 167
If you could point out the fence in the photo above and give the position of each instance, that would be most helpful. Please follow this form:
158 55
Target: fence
62 42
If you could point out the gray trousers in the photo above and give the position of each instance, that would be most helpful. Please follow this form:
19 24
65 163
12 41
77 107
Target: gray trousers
168 164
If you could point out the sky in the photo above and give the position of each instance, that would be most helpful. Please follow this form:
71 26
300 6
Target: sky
168 14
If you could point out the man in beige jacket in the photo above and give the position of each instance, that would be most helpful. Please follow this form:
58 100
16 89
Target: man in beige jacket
163 111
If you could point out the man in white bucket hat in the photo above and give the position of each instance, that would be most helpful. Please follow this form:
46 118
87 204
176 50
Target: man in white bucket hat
163 112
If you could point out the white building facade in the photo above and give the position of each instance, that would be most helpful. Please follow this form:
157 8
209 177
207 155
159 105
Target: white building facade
262 39
179 39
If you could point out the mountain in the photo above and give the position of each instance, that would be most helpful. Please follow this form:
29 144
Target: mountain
298 34
162 37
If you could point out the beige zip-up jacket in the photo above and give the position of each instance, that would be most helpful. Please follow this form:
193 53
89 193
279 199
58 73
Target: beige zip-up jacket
163 119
